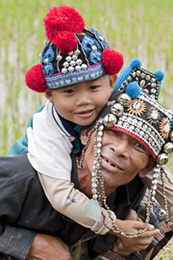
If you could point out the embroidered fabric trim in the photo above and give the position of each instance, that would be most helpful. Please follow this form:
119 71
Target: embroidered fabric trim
63 80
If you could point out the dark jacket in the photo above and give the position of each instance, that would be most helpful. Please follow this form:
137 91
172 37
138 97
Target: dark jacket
25 210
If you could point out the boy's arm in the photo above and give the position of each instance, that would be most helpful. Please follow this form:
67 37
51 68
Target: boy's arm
71 202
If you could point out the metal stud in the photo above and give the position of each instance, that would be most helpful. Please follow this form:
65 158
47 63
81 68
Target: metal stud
79 61
84 66
64 70
77 67
77 52
68 58
74 57
59 58
70 69
72 63
65 64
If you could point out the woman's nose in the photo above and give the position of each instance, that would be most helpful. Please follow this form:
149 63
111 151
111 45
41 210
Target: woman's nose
120 148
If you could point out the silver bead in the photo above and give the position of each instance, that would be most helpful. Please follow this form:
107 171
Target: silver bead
153 90
72 63
168 148
117 109
74 57
70 69
70 53
124 99
79 62
64 70
94 196
77 52
94 185
101 128
138 72
84 66
68 58
77 67
59 58
162 158
46 60
133 74
109 120
148 77
65 64
94 191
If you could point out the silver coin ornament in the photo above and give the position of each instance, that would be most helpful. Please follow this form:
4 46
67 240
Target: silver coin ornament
117 109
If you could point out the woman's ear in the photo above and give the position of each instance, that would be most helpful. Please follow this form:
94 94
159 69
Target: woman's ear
112 80
48 95
84 135
150 166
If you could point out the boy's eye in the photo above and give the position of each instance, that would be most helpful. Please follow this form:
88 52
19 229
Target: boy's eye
94 87
69 91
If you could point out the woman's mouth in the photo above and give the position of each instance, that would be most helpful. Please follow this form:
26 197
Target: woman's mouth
110 163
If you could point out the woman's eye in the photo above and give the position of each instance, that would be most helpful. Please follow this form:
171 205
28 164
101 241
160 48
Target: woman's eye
140 147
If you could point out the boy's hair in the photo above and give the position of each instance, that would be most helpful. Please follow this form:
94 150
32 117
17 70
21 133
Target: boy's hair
72 54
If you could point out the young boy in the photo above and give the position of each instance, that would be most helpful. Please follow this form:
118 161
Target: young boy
77 74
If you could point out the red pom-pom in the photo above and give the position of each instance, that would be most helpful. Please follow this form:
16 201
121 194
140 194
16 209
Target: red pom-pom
112 61
62 18
34 79
66 42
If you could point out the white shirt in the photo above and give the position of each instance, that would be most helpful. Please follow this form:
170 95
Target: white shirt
49 144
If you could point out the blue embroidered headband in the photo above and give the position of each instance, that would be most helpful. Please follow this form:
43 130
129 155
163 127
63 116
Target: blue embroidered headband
73 53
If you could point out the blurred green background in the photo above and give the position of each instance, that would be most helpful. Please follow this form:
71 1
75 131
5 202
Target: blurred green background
142 29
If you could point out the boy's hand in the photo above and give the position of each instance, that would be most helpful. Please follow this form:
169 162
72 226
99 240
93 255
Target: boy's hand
132 223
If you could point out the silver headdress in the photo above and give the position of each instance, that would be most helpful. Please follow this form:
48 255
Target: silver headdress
134 109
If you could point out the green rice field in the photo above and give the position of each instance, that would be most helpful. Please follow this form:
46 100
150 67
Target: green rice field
138 29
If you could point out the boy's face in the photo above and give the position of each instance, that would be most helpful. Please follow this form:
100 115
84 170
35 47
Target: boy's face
81 103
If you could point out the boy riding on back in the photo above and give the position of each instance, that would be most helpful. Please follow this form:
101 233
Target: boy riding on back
77 72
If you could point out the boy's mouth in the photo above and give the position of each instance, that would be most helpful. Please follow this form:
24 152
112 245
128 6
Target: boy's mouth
86 113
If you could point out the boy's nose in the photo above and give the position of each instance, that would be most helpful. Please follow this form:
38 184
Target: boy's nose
83 100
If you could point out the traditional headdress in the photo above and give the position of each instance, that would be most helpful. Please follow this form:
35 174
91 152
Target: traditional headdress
72 54
133 109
